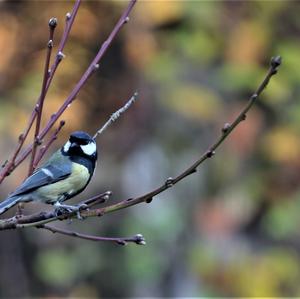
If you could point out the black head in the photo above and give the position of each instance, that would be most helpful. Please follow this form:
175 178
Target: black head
80 144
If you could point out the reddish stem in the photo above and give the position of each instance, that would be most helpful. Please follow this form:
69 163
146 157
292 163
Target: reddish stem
137 239
59 55
11 165
39 106
45 148
123 19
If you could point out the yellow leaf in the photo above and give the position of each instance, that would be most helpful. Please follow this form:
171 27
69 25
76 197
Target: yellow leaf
195 102
282 145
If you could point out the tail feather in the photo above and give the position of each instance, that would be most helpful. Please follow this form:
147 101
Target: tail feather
8 203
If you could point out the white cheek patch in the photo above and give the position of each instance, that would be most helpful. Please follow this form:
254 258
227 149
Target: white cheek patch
89 149
67 146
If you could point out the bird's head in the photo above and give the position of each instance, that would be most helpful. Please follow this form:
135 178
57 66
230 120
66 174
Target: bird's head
80 144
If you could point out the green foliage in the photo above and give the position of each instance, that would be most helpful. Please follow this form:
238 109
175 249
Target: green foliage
63 267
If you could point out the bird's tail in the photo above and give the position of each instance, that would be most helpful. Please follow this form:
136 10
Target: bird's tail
8 203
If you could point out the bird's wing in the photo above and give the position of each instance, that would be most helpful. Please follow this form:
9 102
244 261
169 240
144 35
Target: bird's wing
46 175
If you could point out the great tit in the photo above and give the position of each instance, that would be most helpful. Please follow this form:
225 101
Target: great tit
64 175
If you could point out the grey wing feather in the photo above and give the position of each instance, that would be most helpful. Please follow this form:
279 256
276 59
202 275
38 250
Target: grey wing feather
46 175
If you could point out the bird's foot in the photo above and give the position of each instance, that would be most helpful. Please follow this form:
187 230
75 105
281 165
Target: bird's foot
63 209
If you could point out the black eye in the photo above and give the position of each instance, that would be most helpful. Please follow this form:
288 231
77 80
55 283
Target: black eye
73 139
83 142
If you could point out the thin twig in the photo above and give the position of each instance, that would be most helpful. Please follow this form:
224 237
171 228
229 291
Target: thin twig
46 217
100 198
39 106
226 130
45 148
90 70
70 17
137 239
38 218
11 164
116 115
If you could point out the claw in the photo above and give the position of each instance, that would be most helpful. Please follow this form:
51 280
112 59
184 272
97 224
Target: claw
79 215
82 206
62 208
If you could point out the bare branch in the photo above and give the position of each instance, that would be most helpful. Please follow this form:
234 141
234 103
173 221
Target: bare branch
227 129
41 218
116 115
46 217
40 104
101 198
70 17
11 164
137 239
45 148
90 70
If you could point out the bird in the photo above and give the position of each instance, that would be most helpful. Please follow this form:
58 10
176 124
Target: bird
67 173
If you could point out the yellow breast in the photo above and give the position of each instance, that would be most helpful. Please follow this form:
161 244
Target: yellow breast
76 181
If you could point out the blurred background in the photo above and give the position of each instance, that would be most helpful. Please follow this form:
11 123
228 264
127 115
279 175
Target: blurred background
232 228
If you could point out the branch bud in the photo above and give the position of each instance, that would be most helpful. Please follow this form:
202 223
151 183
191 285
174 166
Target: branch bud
50 45
4 163
226 127
62 123
68 16
254 97
52 23
169 182
38 141
210 154
21 137
60 56
193 170
149 200
107 195
139 239
276 62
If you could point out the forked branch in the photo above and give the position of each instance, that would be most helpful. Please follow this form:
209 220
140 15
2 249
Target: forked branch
226 131
36 156
40 219
72 96
39 106
137 239
11 164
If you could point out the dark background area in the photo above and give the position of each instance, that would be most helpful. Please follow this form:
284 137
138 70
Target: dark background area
232 228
